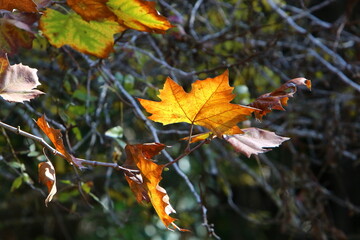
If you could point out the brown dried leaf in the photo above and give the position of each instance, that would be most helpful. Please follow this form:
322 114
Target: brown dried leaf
23 5
254 141
17 83
14 34
278 98
48 178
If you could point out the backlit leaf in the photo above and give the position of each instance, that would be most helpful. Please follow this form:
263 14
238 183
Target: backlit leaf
14 34
17 83
91 9
93 37
208 105
4 64
145 185
48 178
254 141
55 137
139 15
16 183
23 5
278 98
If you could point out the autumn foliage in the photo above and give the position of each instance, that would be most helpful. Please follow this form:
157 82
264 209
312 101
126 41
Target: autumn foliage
92 27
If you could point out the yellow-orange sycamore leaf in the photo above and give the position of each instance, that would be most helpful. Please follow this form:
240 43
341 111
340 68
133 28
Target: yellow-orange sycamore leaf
145 185
55 137
47 177
208 105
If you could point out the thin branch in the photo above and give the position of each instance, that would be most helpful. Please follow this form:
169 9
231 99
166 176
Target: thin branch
56 152
336 57
185 153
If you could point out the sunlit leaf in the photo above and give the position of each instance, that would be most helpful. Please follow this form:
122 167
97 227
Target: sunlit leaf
208 105
145 185
139 15
17 83
93 37
254 141
16 183
4 64
48 178
92 9
55 137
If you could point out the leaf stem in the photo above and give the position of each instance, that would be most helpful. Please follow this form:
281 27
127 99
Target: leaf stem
185 153
189 142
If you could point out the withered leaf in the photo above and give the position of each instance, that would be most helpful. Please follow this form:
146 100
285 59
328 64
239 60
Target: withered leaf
47 177
254 141
17 83
278 98
14 34
23 5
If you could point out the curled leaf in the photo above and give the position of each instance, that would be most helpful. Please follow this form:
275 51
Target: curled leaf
145 185
278 98
47 177
55 137
17 82
254 141
208 105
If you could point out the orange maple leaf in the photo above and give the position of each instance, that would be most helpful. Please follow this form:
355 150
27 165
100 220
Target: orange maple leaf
145 185
279 97
55 137
208 105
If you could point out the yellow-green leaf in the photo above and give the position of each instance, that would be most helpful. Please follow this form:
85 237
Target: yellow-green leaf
93 37
139 15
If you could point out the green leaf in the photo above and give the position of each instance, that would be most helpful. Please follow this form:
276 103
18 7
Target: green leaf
93 37
115 132
16 183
